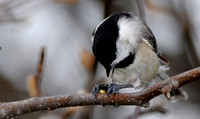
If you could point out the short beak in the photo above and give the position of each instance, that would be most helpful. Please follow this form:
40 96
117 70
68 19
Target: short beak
111 71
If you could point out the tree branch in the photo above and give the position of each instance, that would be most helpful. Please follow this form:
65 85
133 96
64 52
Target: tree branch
17 108
141 9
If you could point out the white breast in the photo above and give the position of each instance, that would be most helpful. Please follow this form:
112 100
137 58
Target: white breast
144 68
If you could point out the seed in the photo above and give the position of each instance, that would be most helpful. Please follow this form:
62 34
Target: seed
102 91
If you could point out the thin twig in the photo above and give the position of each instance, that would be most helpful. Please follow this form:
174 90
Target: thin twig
159 109
35 81
138 112
141 9
107 8
142 98
39 72
187 36
187 27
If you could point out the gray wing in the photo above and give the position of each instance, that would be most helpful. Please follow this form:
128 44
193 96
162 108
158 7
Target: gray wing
148 35
150 38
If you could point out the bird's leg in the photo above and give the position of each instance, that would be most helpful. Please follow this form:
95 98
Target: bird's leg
111 88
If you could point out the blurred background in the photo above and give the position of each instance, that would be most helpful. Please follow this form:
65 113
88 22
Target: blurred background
45 49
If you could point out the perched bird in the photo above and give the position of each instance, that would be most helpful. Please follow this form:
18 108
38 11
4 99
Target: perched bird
127 49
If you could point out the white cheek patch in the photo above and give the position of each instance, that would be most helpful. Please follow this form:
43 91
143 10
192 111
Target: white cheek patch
130 34
123 49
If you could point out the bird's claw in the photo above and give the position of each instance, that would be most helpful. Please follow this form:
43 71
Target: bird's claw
97 89
111 88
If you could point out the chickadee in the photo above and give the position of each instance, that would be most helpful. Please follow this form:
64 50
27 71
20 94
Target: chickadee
127 49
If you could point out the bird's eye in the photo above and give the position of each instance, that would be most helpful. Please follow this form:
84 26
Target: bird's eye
127 61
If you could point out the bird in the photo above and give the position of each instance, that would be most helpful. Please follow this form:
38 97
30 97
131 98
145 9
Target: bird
127 49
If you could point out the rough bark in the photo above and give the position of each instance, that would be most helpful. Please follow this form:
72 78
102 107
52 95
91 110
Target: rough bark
142 98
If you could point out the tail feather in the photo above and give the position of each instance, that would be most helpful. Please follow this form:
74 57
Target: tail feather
176 94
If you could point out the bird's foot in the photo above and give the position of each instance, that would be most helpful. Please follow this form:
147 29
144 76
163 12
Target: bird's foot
99 88
111 88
